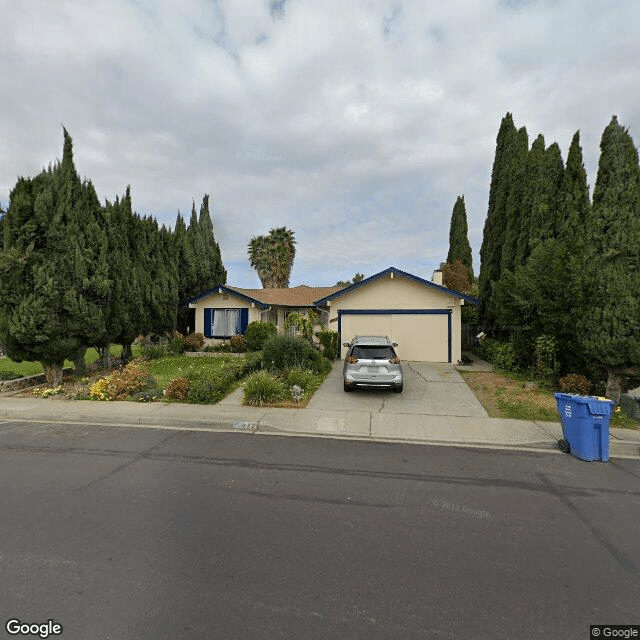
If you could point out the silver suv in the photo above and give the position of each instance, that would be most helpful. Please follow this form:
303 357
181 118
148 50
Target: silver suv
371 361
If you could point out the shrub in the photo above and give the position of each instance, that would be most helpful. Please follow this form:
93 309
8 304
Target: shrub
300 377
263 388
221 347
283 352
122 384
502 355
177 389
245 366
148 396
575 383
154 351
193 342
9 375
258 333
175 345
211 389
238 343
330 341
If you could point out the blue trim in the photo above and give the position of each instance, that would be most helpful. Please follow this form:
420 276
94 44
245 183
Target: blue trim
244 320
410 276
371 312
225 289
207 323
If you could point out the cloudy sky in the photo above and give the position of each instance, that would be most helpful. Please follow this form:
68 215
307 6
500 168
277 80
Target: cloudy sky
355 123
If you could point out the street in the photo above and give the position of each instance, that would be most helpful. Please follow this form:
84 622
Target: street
144 533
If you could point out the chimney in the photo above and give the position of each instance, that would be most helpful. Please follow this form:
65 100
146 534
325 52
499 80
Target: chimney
436 278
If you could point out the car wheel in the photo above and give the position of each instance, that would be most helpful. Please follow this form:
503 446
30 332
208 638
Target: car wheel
398 389
563 445
347 387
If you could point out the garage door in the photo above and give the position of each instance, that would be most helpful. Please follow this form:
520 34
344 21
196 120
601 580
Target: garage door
423 335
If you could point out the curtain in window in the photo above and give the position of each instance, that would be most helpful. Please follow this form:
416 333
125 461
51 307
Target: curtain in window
226 322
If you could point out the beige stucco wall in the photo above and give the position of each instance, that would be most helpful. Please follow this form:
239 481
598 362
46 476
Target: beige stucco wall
402 293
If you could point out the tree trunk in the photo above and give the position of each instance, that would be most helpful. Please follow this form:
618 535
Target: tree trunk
126 353
105 355
80 364
614 386
53 373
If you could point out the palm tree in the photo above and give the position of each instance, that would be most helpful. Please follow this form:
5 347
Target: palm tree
272 257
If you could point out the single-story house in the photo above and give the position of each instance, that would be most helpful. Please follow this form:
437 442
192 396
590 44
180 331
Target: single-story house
423 317
224 311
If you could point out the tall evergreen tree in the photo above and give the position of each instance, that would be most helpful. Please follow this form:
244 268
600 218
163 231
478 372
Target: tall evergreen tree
459 247
535 159
213 271
514 210
495 223
53 275
544 211
609 329
574 205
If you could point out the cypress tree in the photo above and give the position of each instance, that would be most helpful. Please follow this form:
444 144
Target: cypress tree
544 211
53 275
609 329
495 223
213 269
514 210
533 171
459 247
573 199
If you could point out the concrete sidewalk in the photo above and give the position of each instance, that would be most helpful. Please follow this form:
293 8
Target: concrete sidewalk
231 416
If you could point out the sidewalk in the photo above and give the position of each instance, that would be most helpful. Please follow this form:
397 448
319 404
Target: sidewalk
231 416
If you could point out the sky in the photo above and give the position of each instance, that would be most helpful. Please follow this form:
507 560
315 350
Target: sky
354 123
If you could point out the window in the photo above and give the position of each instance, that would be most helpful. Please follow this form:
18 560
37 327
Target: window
225 323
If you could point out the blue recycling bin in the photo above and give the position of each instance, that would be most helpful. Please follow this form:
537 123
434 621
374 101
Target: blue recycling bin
585 426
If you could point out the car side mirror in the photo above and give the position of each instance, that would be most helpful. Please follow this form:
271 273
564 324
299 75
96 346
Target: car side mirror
395 344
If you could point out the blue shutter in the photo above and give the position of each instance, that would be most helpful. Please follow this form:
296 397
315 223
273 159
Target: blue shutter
207 322
244 320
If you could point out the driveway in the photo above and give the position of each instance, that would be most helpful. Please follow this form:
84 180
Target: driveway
430 388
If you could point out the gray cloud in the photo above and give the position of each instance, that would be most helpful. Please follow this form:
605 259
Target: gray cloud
355 124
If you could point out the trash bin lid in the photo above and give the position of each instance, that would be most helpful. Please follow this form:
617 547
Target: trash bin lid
596 406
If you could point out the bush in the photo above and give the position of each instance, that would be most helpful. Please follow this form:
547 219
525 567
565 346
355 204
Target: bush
175 345
177 389
221 347
210 390
258 333
501 355
193 342
148 396
283 352
301 378
330 341
155 351
122 384
263 388
575 383
238 343
245 366
9 375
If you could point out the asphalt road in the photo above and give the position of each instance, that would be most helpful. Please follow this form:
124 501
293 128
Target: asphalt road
132 533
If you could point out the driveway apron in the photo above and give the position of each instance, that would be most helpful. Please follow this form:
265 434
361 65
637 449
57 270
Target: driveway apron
430 388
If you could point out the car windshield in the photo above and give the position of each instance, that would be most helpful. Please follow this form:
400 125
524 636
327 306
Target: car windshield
373 352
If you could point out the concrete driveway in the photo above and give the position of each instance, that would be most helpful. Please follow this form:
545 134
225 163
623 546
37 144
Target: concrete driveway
430 388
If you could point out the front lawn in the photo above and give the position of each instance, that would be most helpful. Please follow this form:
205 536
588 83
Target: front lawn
34 368
505 396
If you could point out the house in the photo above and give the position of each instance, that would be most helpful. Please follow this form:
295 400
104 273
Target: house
423 317
224 311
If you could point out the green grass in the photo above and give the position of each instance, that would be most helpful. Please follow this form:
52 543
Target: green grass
33 368
522 411
169 367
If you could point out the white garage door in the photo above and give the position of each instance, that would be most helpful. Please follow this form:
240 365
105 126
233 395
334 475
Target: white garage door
423 336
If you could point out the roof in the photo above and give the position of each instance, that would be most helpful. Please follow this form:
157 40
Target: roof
300 296
396 271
